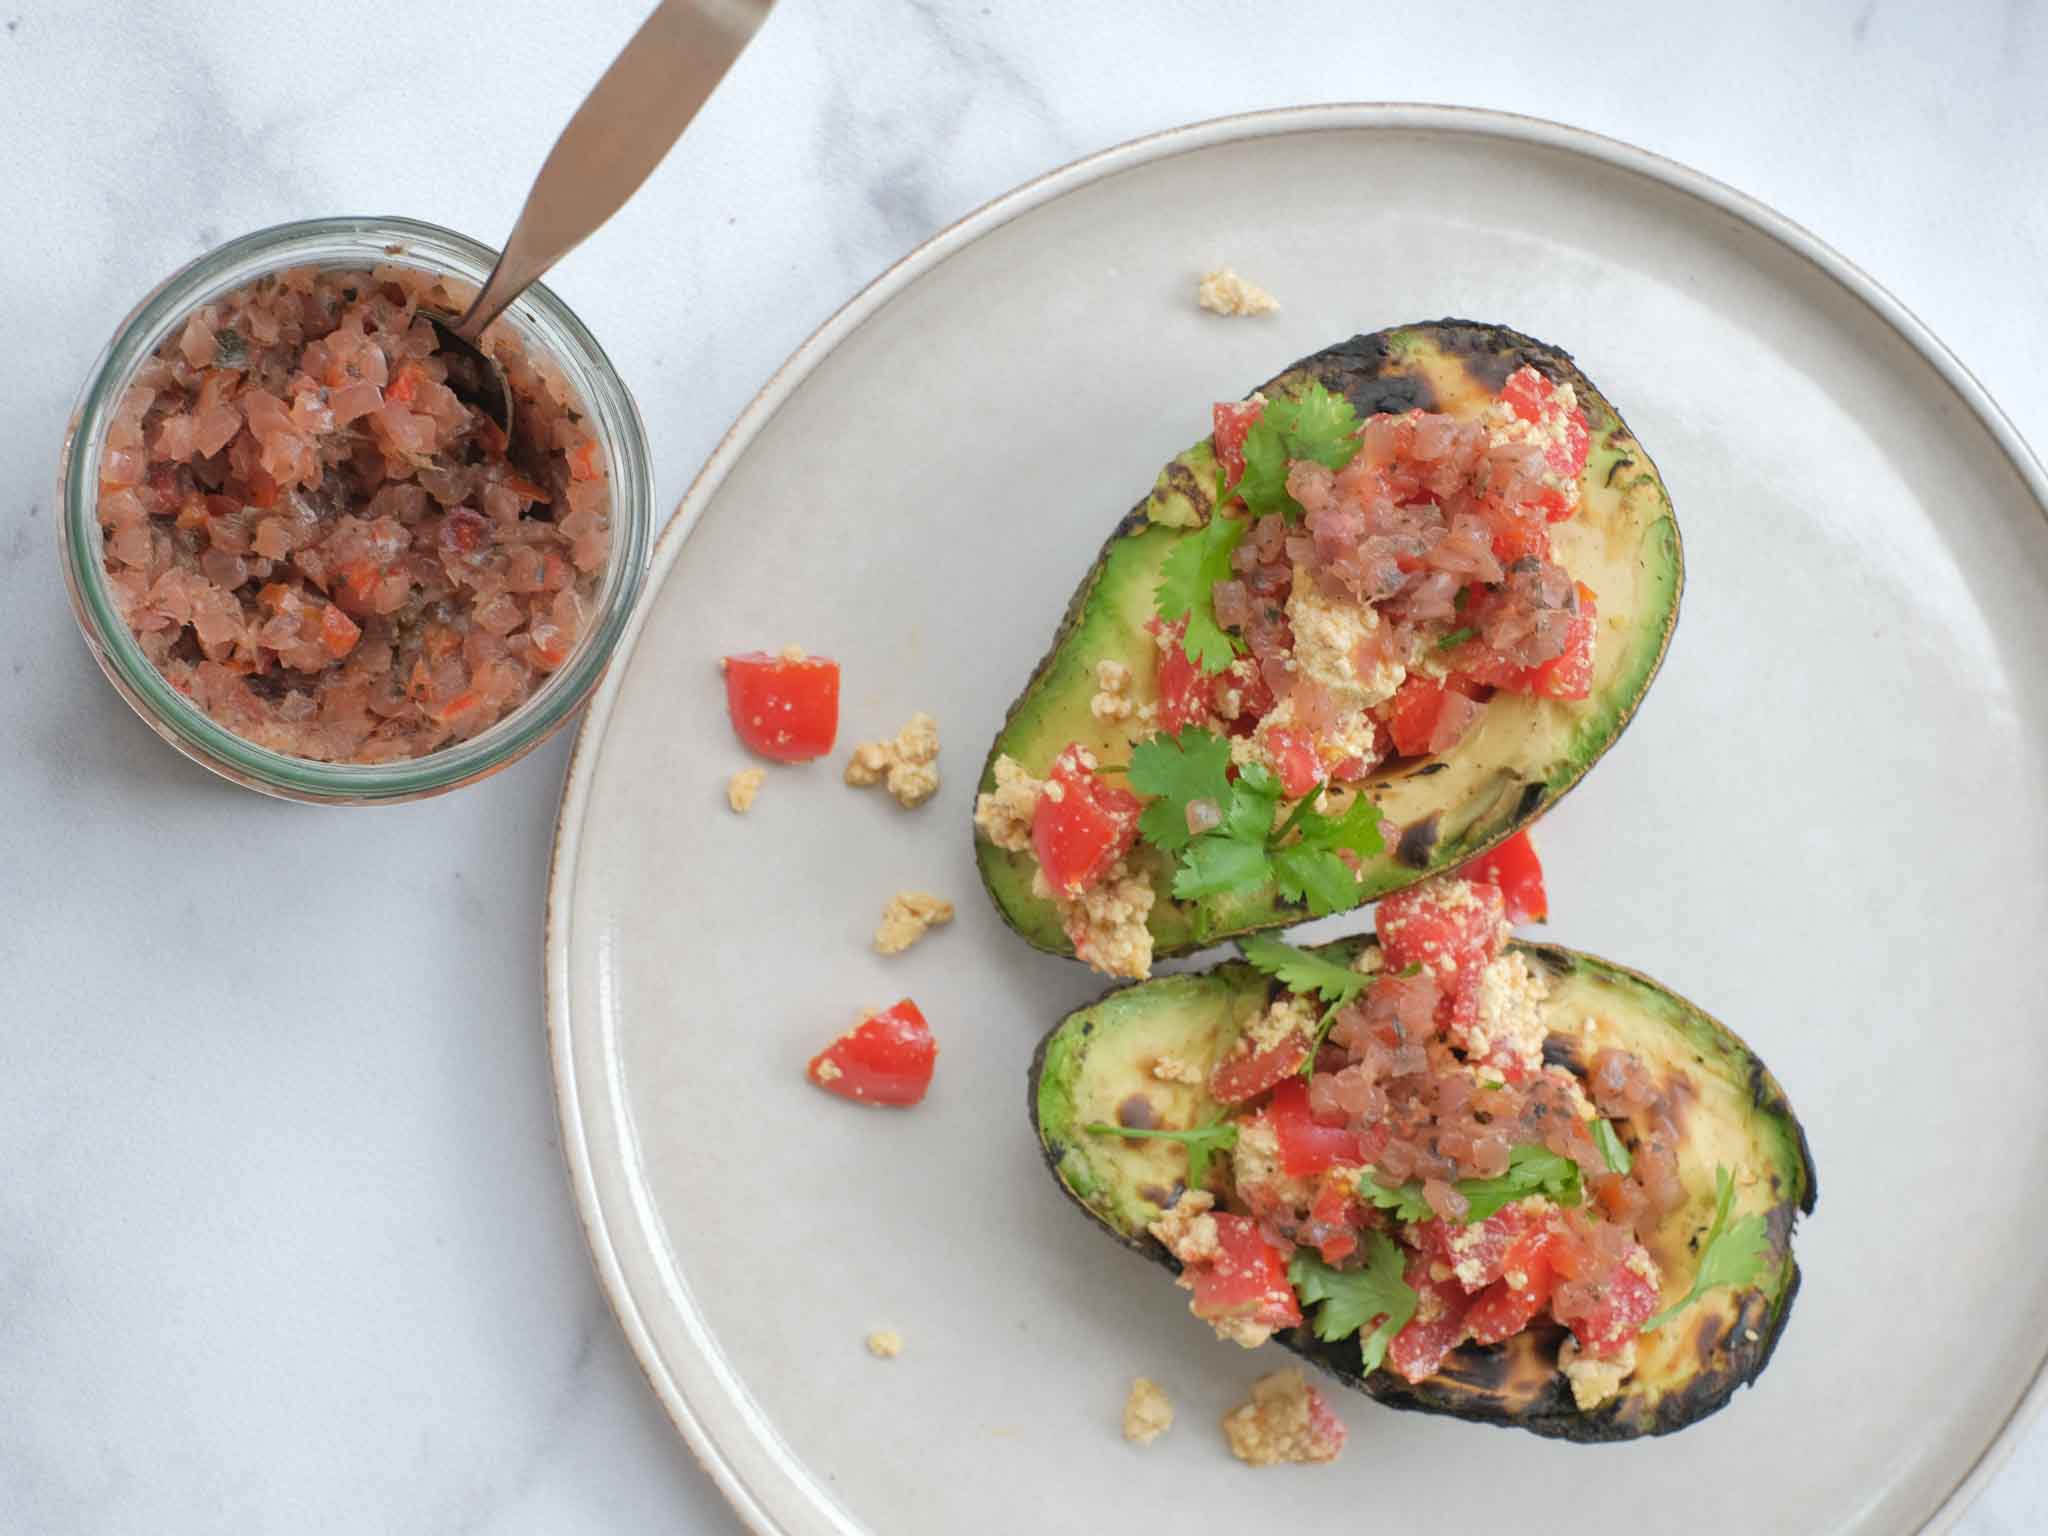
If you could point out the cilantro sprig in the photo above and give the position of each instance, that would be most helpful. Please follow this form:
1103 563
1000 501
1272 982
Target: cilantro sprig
1732 1254
1203 1142
1312 975
1532 1170
1187 582
1303 857
1317 424
1347 1301
1612 1152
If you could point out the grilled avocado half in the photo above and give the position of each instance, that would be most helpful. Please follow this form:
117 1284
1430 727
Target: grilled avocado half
1729 1111
1522 755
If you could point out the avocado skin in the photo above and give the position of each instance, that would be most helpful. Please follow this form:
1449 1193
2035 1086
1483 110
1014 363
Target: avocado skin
1397 369
1516 1384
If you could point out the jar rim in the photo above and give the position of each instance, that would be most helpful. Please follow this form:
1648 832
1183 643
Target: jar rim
544 323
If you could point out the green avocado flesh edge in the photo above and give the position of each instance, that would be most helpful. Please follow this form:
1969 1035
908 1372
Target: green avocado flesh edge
1729 1111
1521 756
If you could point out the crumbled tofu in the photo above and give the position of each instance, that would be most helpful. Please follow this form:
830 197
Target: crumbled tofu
1187 1230
741 788
1290 1012
1223 292
1284 1420
1327 633
909 764
826 1071
1511 995
885 1344
1107 922
1594 1381
1369 961
1003 815
1640 1263
1112 699
794 653
907 918
1255 1169
1148 1413
1171 1069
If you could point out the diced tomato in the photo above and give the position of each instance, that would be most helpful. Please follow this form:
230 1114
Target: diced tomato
1517 534
1335 1217
1293 756
1426 716
1307 1148
1247 1279
1232 422
783 707
1526 393
886 1058
338 632
1568 458
1513 867
1083 824
1623 1301
405 384
1185 691
585 460
1473 1251
1570 676
1437 921
359 579
1248 1072
458 706
1437 1328
1523 1285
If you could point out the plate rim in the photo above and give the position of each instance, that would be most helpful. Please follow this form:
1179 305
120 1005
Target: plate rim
1168 143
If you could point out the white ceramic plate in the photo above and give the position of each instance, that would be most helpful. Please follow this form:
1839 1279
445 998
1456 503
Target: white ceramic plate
1826 826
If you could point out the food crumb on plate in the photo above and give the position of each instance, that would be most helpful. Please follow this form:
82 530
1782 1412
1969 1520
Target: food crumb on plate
741 788
1148 1412
885 1344
1223 292
907 918
909 765
1284 1420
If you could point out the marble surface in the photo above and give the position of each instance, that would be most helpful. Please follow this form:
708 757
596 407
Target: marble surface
285 1243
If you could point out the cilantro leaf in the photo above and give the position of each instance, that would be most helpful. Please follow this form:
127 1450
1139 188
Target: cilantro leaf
1249 816
1731 1255
1213 864
1263 485
1611 1150
1348 1300
1177 771
1300 971
1532 1170
1357 829
1187 582
1316 876
1318 424
1456 638
1203 1142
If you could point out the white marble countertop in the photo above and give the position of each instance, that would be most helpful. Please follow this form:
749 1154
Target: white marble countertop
285 1243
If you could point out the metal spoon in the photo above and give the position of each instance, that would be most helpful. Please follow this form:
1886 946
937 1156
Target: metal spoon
628 122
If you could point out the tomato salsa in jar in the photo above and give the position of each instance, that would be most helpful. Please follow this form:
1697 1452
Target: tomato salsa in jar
306 560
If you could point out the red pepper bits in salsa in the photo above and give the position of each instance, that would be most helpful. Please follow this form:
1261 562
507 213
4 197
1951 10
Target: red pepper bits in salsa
785 706
886 1058
323 548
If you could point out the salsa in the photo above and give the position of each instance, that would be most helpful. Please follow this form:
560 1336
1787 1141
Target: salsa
316 542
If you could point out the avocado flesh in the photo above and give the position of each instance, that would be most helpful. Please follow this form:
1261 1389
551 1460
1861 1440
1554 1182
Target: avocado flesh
1522 754
1728 1109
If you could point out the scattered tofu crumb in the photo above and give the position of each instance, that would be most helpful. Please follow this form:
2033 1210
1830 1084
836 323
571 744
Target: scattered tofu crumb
1148 1413
1112 699
1171 1069
741 788
793 653
1003 815
907 918
909 765
1284 1420
1593 1381
826 1071
885 1344
1223 292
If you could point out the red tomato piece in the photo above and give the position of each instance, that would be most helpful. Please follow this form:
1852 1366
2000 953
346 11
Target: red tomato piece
1447 925
1248 1072
1247 1279
1425 716
1527 393
1232 422
1307 1148
1570 676
1620 1303
1335 1218
1083 824
784 707
1523 1287
338 632
1186 693
1513 867
1473 1252
1437 1328
886 1058
1293 756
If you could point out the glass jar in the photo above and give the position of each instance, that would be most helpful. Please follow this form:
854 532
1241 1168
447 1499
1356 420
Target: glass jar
550 332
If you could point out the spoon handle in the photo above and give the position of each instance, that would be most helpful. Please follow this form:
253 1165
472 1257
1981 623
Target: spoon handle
628 122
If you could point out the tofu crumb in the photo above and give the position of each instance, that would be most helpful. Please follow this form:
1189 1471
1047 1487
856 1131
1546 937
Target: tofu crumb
1171 1069
1112 699
1291 1013
741 789
1284 1420
1594 1381
1223 292
1187 1230
909 765
826 1071
1003 815
885 1344
1107 922
1511 996
1148 1413
907 918
794 653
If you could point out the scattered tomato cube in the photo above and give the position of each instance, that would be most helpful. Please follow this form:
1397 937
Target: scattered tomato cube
784 706
886 1058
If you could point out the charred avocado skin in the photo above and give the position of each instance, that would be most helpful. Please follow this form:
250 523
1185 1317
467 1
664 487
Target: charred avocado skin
1523 754
1097 1064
